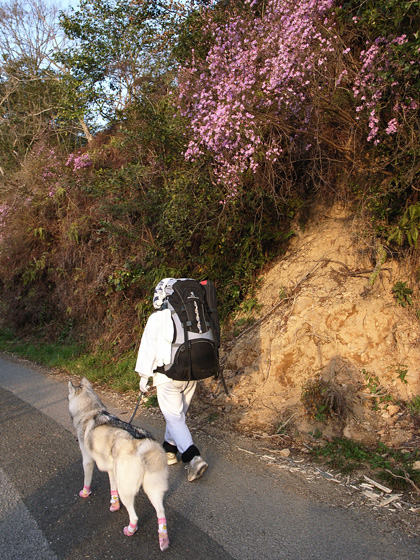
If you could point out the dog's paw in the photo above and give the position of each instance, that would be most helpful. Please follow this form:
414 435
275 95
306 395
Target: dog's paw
115 504
85 492
130 530
163 534
163 541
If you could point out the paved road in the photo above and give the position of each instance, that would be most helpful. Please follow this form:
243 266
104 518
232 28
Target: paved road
239 510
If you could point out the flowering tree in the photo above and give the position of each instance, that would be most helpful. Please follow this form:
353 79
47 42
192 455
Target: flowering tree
283 80
383 86
253 91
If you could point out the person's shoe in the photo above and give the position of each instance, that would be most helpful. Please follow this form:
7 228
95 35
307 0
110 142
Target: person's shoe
171 458
196 468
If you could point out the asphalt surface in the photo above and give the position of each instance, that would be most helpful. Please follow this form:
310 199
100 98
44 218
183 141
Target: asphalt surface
239 509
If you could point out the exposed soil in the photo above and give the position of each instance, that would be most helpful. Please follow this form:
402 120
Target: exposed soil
322 331
327 317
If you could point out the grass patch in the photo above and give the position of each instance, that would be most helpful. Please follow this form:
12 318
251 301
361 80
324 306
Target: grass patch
50 355
393 466
101 367
414 405
151 401
104 368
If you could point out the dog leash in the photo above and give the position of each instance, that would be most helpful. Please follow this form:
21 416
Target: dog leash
137 405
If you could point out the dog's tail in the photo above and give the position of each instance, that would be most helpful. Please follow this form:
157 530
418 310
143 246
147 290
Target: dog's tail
152 455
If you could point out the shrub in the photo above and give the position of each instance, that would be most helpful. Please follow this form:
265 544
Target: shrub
322 399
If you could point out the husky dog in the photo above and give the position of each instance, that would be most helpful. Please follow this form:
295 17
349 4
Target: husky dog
131 456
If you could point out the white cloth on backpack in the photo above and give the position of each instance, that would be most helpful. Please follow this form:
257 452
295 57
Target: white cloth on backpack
161 292
156 346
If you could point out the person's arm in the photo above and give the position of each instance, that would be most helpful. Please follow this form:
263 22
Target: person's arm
146 357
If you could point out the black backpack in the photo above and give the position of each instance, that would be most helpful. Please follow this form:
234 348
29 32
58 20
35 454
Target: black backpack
195 346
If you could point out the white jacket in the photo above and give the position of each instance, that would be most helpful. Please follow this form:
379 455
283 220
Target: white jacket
155 346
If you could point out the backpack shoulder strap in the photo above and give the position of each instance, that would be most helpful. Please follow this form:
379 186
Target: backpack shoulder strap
211 298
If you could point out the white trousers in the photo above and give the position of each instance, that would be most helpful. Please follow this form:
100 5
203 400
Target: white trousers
174 398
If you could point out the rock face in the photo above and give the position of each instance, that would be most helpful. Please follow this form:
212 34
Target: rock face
330 348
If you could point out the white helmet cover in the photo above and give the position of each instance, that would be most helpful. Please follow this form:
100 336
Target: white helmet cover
163 290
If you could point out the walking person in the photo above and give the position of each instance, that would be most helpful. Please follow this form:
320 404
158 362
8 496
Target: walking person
174 396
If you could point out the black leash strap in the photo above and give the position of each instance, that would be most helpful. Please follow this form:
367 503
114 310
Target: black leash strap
220 372
137 405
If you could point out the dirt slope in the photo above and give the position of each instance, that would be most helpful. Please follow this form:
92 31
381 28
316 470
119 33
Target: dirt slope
324 332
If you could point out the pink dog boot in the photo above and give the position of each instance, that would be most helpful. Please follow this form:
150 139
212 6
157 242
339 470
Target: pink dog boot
115 502
130 530
85 492
163 534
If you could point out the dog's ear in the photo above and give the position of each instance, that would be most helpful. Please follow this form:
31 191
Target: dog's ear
72 388
85 383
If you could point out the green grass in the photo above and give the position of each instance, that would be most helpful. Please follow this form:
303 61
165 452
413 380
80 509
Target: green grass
151 401
392 466
50 355
414 405
101 367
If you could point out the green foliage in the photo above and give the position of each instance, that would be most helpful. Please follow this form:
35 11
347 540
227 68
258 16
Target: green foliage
117 45
343 454
394 182
400 478
137 213
35 269
402 372
85 246
250 305
414 405
384 18
192 38
321 400
316 434
212 417
402 294
379 393
151 401
348 456
101 366
30 84
372 382
407 228
122 279
56 355
283 292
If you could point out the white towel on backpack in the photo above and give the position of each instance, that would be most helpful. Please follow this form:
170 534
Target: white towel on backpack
156 343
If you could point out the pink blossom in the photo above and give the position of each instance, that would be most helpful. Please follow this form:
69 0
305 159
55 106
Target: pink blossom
373 90
392 126
79 161
258 65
